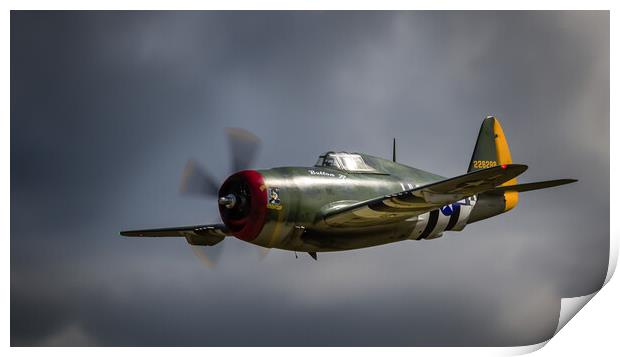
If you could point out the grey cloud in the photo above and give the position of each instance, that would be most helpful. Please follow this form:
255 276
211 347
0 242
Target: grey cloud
107 106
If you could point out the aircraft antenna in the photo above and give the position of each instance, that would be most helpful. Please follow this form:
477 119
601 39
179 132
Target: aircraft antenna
394 150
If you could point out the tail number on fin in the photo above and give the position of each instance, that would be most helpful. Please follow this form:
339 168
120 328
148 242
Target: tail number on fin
483 164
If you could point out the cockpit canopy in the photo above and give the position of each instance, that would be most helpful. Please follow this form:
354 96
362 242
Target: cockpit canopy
344 161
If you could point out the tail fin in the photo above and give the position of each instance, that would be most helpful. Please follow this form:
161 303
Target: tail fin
492 150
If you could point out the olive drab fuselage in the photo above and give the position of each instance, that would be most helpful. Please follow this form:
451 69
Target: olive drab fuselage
299 197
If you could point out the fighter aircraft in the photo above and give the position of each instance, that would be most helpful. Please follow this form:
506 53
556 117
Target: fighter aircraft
352 200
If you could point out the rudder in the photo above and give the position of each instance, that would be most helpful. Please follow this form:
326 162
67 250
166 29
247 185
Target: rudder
492 150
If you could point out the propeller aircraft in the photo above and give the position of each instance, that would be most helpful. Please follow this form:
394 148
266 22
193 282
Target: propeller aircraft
351 200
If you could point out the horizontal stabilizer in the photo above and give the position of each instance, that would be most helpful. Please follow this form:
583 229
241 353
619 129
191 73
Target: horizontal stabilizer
195 235
401 205
533 186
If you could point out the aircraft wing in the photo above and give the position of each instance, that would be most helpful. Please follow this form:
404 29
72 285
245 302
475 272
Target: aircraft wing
406 204
210 234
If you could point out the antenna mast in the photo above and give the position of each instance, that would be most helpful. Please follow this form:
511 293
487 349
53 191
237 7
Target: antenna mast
394 150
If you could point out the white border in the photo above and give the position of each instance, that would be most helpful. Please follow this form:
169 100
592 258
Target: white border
594 329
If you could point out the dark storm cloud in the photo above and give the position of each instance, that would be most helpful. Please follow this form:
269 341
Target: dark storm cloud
107 106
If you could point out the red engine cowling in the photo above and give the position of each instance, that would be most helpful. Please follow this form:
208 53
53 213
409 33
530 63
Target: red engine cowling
246 208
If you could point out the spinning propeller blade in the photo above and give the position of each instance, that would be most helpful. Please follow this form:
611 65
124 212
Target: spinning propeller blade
262 253
197 181
208 256
243 146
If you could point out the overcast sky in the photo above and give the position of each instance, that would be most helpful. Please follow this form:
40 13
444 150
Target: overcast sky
106 107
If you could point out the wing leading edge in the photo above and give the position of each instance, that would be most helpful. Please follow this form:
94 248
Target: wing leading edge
210 234
402 205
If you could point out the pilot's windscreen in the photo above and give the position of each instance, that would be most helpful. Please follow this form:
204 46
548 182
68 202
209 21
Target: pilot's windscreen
354 163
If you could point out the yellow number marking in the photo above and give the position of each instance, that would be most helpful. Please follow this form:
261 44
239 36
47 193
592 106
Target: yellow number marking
483 164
